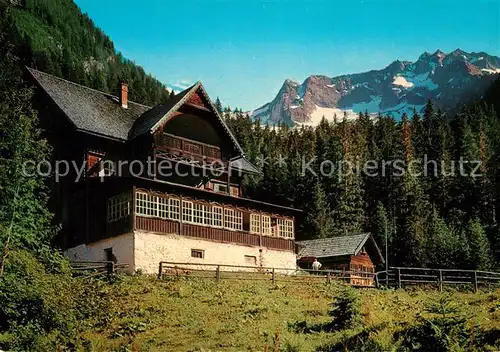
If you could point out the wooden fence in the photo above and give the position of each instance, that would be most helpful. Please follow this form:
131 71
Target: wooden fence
241 272
96 268
400 277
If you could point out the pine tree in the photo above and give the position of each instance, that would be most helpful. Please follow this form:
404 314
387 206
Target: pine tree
350 209
382 227
218 105
411 207
466 187
442 243
321 217
480 252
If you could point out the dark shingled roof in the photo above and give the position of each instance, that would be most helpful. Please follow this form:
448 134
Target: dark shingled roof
336 246
88 109
100 113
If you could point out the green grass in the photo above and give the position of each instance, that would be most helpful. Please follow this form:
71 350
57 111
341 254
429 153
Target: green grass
244 315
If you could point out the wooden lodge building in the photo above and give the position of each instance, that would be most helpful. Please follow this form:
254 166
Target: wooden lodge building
357 254
190 211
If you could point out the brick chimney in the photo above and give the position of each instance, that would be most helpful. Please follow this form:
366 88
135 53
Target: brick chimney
124 95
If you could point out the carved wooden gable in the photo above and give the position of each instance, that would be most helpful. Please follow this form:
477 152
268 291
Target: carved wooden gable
197 99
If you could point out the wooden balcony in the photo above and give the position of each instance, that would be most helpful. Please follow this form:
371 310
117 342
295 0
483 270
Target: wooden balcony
179 147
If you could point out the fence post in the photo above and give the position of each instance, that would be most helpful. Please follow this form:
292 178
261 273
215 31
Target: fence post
273 277
376 280
160 270
109 268
328 277
440 280
399 278
387 278
217 273
475 281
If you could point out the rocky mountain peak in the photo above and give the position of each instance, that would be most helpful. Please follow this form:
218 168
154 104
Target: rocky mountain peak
400 87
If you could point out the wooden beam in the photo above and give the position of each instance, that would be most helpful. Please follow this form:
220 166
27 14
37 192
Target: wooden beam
202 108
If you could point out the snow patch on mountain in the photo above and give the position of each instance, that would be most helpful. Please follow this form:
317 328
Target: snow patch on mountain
497 70
329 114
401 81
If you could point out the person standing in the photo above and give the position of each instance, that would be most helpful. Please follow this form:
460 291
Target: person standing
316 265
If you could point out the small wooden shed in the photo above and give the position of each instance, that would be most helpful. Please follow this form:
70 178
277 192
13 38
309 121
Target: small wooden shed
358 254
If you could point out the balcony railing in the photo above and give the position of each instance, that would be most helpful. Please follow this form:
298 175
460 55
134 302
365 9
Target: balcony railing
184 147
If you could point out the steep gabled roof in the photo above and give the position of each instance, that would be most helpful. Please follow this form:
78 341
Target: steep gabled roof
338 246
90 110
150 118
99 113
157 116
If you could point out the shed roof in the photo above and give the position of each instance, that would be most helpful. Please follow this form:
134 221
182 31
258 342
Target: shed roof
241 163
337 246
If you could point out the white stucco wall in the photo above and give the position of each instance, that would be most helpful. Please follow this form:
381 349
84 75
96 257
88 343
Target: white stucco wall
151 248
144 251
123 249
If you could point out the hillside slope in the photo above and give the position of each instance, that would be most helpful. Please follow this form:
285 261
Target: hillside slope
202 315
447 79
55 37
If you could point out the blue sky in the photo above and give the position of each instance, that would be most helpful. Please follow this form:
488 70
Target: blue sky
242 51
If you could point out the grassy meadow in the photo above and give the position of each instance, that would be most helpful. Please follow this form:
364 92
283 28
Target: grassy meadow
190 314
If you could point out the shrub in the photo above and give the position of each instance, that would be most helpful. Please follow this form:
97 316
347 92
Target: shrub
347 310
42 306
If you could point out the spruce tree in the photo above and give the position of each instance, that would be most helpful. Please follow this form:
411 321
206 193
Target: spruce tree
411 207
321 217
218 105
382 227
442 243
480 252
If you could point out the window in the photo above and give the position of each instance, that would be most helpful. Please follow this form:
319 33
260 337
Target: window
118 207
254 223
163 207
233 219
220 188
197 253
174 205
266 225
217 216
198 213
285 228
187 211
250 260
146 204
208 215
